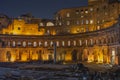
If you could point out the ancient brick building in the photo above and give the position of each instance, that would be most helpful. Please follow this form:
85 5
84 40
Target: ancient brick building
88 33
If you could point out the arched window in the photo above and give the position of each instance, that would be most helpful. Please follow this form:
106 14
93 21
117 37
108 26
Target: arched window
74 43
68 15
80 42
24 44
34 44
60 23
51 43
68 43
91 21
40 43
57 43
46 44
86 42
49 24
14 43
91 41
63 43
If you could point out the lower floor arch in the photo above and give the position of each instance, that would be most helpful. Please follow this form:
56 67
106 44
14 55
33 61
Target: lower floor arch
96 54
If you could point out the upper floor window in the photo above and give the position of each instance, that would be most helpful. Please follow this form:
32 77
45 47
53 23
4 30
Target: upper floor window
56 18
74 43
77 11
82 16
86 11
68 22
24 44
98 22
91 21
29 43
77 22
18 43
87 22
82 11
68 43
80 42
41 24
34 44
60 23
51 43
40 43
57 43
68 15
106 13
86 42
82 22
91 9
46 43
14 43
63 43
8 43
91 41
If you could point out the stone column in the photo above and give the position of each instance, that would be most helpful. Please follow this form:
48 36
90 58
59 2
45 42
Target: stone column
119 59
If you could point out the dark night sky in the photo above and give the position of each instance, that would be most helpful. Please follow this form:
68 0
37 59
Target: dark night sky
38 8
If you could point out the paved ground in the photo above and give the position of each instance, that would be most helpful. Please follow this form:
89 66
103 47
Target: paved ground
47 71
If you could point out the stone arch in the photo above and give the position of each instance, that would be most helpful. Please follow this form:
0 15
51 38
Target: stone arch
34 55
105 54
85 55
8 56
91 55
74 55
95 53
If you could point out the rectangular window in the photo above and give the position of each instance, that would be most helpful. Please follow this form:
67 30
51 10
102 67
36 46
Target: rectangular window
80 42
24 44
68 14
63 43
74 43
45 44
68 43
57 43
34 44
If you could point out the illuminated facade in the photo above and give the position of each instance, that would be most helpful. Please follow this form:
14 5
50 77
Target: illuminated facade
90 33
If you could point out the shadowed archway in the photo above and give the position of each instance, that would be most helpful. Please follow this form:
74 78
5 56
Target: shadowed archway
74 55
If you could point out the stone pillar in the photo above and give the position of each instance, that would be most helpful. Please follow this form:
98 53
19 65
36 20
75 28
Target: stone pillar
118 58
118 55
